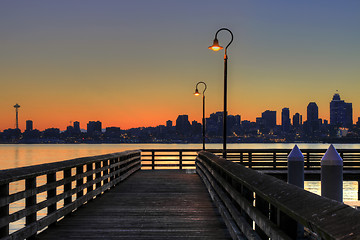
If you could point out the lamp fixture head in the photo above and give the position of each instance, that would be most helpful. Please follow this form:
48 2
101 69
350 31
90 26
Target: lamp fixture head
215 47
197 92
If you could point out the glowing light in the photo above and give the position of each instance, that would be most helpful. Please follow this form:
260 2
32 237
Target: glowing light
215 47
197 92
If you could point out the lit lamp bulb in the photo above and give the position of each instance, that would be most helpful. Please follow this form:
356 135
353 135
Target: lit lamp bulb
196 92
215 47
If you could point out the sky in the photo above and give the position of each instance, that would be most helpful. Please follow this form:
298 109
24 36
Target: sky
136 63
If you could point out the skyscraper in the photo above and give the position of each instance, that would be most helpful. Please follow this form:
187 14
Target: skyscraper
269 118
341 113
183 124
29 125
93 127
312 122
285 119
297 120
169 123
77 127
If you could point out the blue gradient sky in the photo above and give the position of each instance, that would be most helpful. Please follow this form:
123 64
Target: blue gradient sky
136 63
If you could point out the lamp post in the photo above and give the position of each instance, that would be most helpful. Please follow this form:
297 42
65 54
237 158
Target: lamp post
203 118
217 47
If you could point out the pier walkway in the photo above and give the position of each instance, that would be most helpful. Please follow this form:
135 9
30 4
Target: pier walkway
165 204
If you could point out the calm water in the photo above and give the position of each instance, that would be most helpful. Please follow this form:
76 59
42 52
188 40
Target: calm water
20 155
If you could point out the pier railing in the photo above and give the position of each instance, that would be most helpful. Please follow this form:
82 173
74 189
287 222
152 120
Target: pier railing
248 198
62 187
263 159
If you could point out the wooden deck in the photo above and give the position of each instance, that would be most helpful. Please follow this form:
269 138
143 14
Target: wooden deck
149 205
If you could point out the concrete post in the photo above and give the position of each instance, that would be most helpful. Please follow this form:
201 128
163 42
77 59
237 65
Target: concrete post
296 167
332 175
296 177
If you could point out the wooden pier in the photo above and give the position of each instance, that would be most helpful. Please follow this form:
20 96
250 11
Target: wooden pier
167 204
135 195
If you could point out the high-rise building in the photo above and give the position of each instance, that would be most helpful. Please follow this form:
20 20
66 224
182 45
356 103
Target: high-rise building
29 125
77 127
285 119
341 113
297 120
93 127
182 124
312 112
238 120
312 122
269 118
169 123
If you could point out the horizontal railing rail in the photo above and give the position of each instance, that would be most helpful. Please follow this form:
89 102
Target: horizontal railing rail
262 159
258 206
68 184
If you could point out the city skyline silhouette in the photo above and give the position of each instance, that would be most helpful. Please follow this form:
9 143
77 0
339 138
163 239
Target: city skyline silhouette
351 119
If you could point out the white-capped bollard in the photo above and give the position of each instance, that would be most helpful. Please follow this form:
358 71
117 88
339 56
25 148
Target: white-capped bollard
295 177
332 175
296 167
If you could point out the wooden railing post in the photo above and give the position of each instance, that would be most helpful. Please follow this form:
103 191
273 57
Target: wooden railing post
308 160
287 224
89 178
152 160
263 207
98 175
274 160
4 210
79 182
30 184
112 169
180 160
106 171
273 214
119 159
67 186
250 159
51 178
249 196
241 157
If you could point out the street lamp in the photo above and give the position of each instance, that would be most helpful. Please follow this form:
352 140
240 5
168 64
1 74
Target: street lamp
217 47
203 118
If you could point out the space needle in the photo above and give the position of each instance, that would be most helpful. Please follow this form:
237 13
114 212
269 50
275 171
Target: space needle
17 106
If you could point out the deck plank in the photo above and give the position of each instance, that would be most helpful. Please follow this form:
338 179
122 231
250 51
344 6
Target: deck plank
149 205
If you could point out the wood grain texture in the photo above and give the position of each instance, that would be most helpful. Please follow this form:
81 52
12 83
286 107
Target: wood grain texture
149 205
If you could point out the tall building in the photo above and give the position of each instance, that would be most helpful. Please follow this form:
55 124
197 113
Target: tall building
269 118
93 127
297 120
214 124
312 122
29 125
238 120
312 112
285 119
77 127
168 123
183 124
341 113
